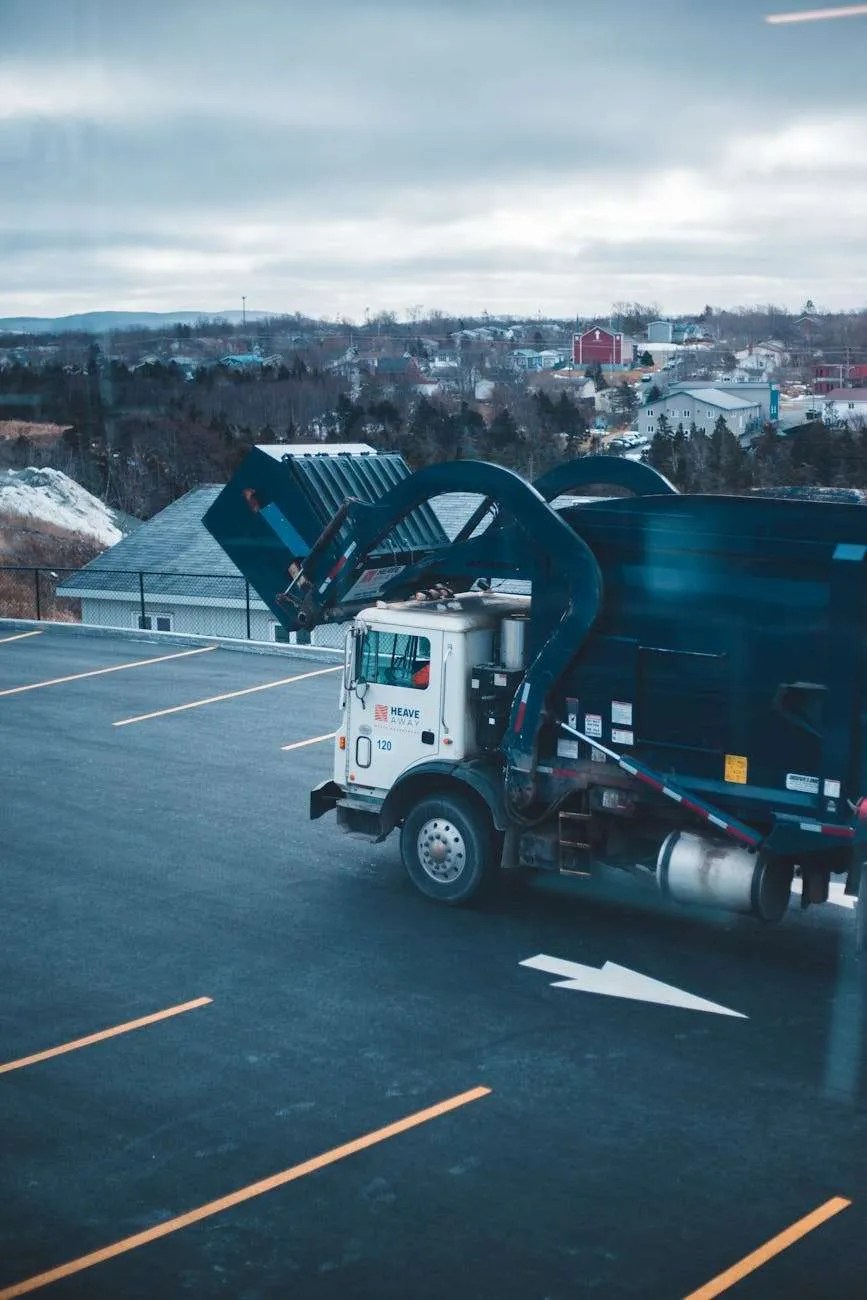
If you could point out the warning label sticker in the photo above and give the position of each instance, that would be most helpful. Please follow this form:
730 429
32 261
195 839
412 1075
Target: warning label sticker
593 725
621 713
372 581
803 784
736 769
619 737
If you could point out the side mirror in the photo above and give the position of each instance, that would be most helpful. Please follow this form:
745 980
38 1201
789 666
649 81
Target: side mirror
348 658
353 658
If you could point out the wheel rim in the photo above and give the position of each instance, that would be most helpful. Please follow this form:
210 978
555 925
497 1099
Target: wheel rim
441 850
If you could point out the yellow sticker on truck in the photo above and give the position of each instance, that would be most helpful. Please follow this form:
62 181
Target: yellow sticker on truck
736 769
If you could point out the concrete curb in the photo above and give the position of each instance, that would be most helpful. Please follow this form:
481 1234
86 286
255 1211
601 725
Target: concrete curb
315 654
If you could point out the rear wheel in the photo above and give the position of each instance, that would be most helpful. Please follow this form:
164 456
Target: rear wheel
448 847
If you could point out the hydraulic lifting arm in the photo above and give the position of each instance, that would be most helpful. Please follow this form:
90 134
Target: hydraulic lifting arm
528 540
546 542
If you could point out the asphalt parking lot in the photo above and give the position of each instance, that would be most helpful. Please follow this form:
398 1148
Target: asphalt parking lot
344 1090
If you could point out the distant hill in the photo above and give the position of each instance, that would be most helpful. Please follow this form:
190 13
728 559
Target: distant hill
99 322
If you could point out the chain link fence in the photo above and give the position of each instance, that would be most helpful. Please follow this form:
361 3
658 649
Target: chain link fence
198 604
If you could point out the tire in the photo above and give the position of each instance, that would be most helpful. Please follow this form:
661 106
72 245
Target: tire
448 848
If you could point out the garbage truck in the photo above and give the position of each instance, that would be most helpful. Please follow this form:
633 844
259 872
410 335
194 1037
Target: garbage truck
591 671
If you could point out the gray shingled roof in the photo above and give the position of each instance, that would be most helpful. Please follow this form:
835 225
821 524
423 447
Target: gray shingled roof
174 545
715 397
174 542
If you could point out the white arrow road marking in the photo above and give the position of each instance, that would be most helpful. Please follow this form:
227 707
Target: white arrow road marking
836 893
614 981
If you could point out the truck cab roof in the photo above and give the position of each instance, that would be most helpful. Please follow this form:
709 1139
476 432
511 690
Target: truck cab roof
459 613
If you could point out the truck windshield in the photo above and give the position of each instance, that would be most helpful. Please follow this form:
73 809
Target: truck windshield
396 659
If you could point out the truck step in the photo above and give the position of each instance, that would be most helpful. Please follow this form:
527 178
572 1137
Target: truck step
572 828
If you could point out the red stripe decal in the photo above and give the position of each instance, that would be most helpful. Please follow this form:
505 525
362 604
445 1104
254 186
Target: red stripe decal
648 780
337 567
694 807
844 832
519 716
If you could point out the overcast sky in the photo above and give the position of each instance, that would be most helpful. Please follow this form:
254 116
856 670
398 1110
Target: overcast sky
460 154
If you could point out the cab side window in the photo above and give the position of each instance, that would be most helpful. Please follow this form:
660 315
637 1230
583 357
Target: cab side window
396 659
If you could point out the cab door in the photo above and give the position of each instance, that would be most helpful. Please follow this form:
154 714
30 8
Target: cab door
395 705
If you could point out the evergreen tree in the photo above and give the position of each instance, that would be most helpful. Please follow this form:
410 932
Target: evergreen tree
728 461
568 420
661 453
350 419
624 402
500 443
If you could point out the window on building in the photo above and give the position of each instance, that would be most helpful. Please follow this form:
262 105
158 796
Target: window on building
155 622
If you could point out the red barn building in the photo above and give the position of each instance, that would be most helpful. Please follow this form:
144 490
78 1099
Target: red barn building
830 375
607 347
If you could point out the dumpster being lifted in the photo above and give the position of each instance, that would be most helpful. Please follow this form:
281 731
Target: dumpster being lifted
679 693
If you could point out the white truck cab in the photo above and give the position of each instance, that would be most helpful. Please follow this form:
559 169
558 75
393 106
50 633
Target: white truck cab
407 677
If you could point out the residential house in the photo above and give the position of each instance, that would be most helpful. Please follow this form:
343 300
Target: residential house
660 331
830 375
682 332
702 407
445 359
845 405
170 576
242 361
605 347
404 369
762 359
529 360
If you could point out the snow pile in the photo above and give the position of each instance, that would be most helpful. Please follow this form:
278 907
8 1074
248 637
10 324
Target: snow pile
47 497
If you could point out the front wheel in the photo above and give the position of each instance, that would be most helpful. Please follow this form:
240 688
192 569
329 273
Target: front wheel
448 847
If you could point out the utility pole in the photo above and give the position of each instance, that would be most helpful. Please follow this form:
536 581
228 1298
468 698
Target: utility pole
244 310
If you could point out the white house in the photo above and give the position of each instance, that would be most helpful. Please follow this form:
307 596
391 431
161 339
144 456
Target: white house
702 407
660 331
845 405
762 359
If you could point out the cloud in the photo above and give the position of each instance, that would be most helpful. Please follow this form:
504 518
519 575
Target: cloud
354 156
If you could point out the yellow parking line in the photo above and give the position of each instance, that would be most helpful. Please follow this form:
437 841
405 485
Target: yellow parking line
749 1264
230 695
99 672
243 1194
19 636
103 1034
314 740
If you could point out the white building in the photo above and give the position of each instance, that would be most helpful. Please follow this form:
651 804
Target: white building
760 360
660 331
844 405
702 407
